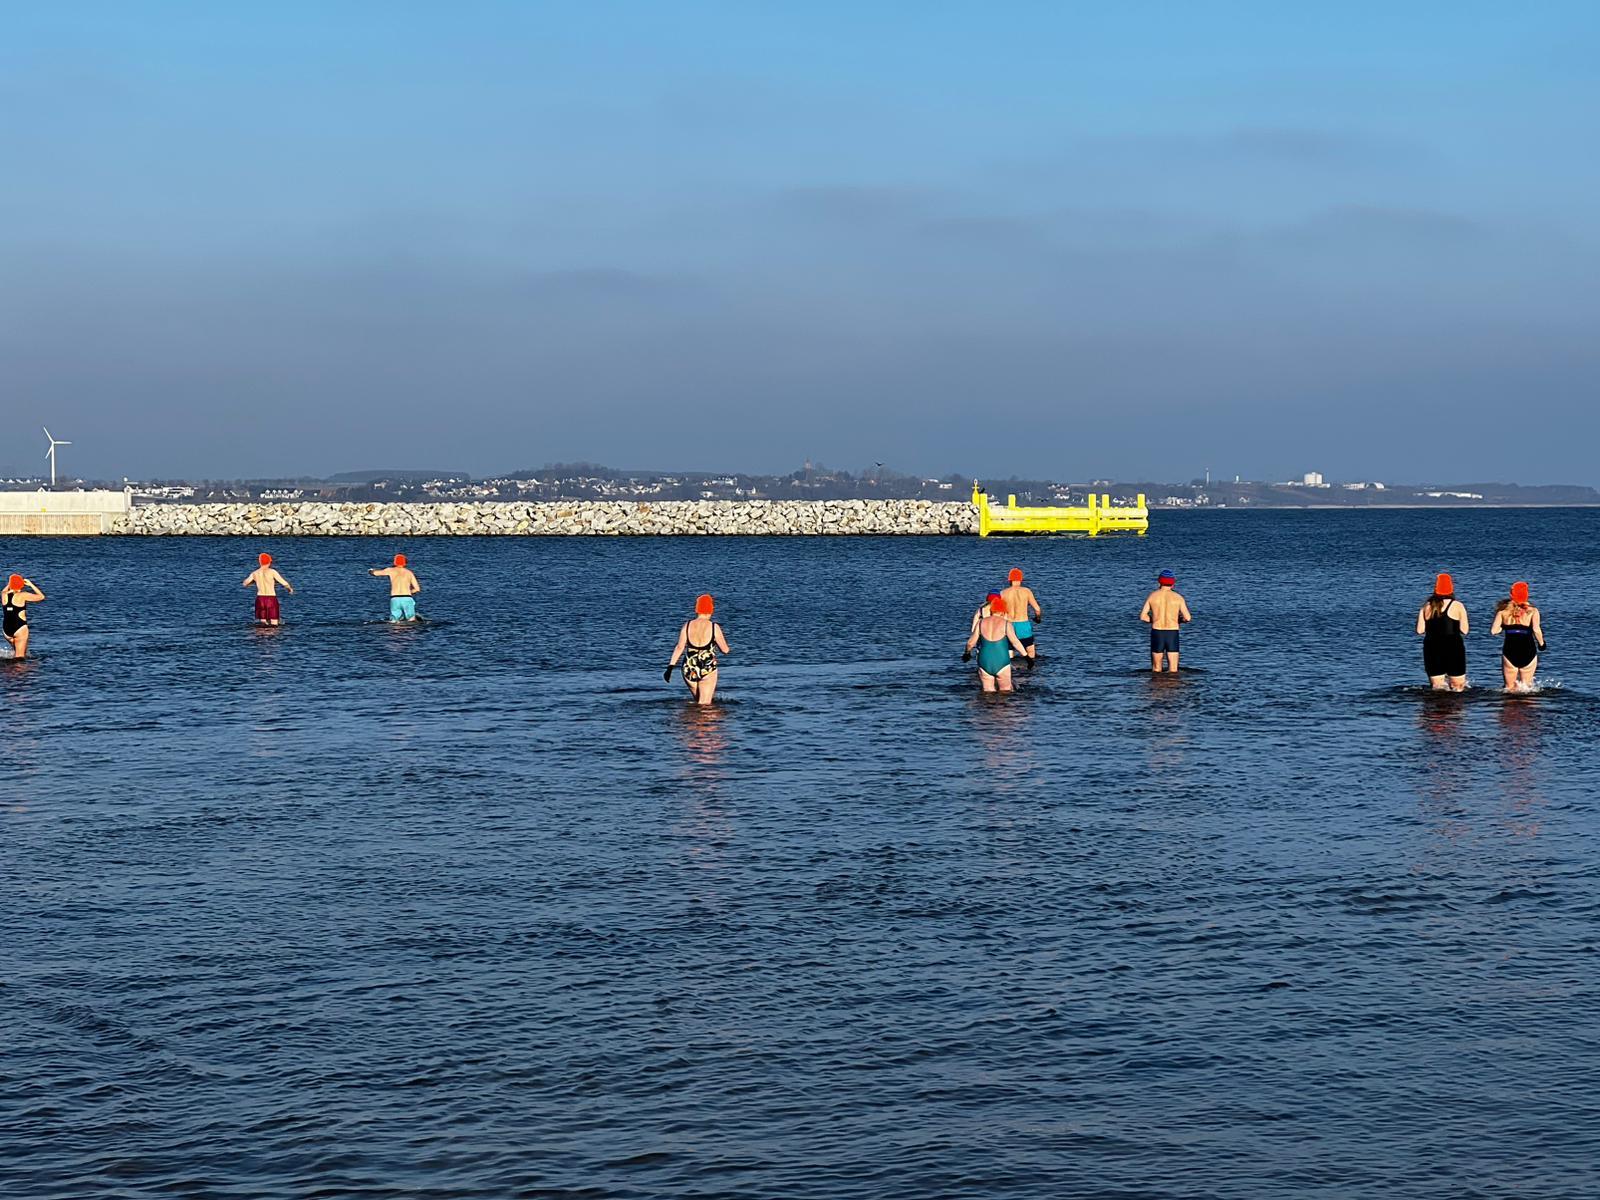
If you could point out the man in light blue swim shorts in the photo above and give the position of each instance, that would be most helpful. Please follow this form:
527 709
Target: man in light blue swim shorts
1022 606
403 586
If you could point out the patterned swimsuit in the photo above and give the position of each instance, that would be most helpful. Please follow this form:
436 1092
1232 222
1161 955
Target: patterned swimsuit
699 661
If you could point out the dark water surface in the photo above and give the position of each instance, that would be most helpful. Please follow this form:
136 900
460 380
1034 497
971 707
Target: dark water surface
481 908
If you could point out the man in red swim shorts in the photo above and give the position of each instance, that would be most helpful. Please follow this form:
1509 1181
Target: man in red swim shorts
265 579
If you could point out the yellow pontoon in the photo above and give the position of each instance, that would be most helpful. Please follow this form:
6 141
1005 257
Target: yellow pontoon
1099 517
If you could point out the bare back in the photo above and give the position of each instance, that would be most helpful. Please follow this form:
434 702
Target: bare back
1165 608
994 628
1019 600
700 631
266 581
402 581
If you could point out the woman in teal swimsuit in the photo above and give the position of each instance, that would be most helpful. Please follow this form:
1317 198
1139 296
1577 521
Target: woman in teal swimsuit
995 640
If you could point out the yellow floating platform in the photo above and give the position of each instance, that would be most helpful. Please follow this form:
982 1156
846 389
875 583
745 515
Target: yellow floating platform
1097 518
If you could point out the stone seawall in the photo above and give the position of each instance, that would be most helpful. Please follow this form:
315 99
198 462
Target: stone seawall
578 517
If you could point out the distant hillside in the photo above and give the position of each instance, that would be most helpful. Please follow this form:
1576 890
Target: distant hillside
1530 493
404 476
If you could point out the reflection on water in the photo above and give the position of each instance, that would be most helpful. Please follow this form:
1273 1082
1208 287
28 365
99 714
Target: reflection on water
1000 724
1520 744
1440 715
703 739
1167 723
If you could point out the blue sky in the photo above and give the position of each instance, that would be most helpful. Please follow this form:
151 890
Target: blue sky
1131 240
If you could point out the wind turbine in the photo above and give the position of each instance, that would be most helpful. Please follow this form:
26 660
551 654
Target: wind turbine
51 454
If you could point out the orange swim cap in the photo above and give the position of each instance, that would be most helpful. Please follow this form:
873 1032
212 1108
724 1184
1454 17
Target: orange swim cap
399 560
1519 592
704 605
996 601
14 584
1016 575
264 559
1444 585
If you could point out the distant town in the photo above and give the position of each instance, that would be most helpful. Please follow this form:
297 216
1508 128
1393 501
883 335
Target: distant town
586 481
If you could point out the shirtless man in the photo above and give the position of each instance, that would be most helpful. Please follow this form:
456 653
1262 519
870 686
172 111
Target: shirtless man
402 586
1164 610
1020 602
265 579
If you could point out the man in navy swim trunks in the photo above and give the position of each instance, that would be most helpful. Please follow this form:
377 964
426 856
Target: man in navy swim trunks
1164 610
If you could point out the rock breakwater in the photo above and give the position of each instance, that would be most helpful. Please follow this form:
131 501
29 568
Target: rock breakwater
614 518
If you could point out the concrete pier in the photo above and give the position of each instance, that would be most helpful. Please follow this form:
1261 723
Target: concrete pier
56 513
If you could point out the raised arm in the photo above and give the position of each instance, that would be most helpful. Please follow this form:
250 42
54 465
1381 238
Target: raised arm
33 595
1494 628
249 579
380 571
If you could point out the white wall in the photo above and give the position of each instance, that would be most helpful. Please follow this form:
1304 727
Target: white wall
65 502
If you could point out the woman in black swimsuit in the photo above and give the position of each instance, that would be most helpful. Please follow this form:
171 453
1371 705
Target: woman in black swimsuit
1518 622
14 600
1442 625
698 643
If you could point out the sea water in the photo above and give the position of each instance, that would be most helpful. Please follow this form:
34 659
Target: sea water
481 907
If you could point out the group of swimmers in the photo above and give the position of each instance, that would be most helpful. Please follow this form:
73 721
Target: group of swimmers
19 592
1442 625
1002 631
403 587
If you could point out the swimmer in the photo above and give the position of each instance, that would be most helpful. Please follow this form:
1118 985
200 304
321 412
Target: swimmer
402 586
983 611
1518 622
265 579
996 641
1019 602
14 600
698 643
1164 610
1442 625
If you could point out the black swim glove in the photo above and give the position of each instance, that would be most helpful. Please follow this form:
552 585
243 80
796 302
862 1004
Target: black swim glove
1543 646
667 674
966 656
